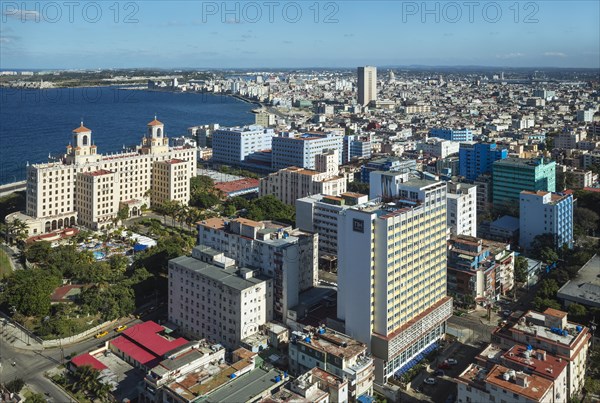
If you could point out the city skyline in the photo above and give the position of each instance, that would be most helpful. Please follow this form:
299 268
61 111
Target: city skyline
297 34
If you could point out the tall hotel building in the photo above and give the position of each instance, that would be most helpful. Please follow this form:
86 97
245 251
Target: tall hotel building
392 274
87 188
367 84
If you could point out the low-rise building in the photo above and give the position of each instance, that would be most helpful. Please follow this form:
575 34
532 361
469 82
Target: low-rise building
552 332
336 353
501 384
479 269
293 183
584 289
438 147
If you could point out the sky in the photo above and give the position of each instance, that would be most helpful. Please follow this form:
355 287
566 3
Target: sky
252 34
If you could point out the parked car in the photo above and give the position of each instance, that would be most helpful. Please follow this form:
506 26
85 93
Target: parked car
451 361
101 334
444 365
121 328
506 313
430 381
439 372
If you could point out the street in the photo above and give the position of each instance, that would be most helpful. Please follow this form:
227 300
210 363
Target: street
31 365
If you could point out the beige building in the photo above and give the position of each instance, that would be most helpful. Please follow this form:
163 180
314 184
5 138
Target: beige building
87 188
209 297
551 331
293 183
367 84
288 256
336 353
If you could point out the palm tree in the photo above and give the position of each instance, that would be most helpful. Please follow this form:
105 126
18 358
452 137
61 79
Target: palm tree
16 230
182 214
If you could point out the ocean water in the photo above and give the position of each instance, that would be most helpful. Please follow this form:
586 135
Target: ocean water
34 123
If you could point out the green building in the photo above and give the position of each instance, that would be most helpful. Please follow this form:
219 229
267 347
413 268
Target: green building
513 175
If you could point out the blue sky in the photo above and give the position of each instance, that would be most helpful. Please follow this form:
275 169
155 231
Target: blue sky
198 34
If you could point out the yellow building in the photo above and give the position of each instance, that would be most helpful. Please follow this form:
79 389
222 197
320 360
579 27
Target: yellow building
392 274
87 188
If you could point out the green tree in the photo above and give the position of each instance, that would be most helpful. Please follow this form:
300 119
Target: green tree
358 187
38 251
28 291
521 267
585 220
35 398
15 385
542 248
548 288
577 311
123 213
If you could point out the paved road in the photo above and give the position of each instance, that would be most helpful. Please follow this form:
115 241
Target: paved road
31 365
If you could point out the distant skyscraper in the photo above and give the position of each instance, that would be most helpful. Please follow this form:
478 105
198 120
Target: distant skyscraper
513 175
367 84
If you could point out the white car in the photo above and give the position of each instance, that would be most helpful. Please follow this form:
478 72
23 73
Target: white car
430 381
451 361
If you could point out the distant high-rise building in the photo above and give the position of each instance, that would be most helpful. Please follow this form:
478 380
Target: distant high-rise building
476 159
452 134
513 175
367 84
392 274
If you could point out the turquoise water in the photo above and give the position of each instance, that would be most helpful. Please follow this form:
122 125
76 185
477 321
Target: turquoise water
99 255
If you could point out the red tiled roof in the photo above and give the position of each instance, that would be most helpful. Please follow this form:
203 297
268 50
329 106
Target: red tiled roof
81 129
146 335
87 359
155 123
134 351
234 186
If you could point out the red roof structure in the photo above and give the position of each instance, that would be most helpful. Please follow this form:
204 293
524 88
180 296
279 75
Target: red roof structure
143 343
86 359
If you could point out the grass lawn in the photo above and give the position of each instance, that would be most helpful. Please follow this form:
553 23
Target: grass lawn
5 265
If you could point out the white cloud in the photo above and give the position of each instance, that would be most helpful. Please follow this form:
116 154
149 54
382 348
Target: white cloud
555 54
513 55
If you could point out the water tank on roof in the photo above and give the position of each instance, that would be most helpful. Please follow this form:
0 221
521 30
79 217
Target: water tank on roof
578 328
277 378
307 339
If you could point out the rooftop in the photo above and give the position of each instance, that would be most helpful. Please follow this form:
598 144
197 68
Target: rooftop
539 361
98 172
332 342
238 185
535 388
585 287
246 387
87 359
228 277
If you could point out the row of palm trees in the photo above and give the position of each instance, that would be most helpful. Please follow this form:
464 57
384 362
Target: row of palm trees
182 214
16 231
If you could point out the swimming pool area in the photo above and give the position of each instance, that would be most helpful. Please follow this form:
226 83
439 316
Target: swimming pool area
99 255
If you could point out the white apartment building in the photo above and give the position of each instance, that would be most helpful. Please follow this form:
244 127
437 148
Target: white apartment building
209 297
336 353
569 140
367 85
591 158
87 188
551 331
462 209
319 213
231 145
289 257
293 183
301 150
392 274
439 147
586 115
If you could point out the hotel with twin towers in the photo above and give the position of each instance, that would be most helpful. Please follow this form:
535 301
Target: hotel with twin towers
86 188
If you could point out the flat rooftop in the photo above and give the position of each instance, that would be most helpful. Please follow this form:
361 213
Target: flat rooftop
228 277
246 387
585 287
539 361
334 343
536 388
